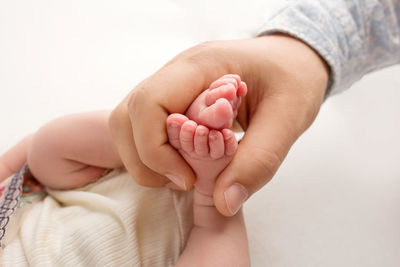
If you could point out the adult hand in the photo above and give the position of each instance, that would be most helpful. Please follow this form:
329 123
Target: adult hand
286 82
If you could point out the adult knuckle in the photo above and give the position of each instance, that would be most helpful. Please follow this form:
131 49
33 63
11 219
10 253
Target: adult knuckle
266 162
200 53
202 47
136 100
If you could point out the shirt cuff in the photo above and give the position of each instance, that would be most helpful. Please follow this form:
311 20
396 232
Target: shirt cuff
295 23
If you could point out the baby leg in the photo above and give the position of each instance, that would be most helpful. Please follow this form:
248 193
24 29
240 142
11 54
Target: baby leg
203 136
73 151
203 139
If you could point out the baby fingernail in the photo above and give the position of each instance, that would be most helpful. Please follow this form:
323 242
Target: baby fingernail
176 180
235 195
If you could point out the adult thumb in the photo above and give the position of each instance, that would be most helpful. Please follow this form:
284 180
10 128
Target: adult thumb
274 127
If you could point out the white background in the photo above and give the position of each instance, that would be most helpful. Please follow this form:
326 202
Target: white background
336 199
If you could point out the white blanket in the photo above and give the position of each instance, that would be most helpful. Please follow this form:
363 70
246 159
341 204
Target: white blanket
113 222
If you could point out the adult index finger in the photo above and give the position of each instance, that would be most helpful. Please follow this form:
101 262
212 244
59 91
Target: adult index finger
122 134
170 90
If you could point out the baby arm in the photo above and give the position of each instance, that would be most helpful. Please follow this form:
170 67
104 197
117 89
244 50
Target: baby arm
202 138
73 150
14 159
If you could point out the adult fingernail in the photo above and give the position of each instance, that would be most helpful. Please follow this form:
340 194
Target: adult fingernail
235 195
176 180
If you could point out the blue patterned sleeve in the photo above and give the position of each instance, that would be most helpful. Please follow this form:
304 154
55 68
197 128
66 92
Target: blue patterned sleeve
353 36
